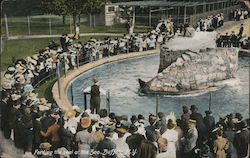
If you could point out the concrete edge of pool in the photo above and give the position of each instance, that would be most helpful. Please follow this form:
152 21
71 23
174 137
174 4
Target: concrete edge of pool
65 81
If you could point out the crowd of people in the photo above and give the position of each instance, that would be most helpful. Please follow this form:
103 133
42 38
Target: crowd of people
49 131
234 39
211 23
238 14
43 129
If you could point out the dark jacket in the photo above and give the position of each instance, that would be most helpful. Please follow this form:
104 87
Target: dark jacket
95 96
147 150
199 122
134 143
107 144
241 141
209 122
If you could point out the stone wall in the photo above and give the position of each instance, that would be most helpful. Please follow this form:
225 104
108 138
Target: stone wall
183 71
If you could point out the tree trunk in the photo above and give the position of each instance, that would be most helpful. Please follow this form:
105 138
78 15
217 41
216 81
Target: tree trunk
63 19
94 20
79 19
131 30
74 23
90 20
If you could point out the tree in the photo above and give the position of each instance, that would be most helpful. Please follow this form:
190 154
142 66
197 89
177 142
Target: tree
72 7
57 7
94 6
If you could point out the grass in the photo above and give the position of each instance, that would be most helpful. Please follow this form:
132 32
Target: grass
40 25
21 49
26 47
45 90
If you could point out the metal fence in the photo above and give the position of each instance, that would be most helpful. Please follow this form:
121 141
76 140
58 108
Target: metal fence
38 25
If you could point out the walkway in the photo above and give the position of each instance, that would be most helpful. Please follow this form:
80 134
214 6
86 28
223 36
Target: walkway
235 26
52 36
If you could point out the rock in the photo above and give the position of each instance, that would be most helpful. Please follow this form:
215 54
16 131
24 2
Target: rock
194 68
179 62
185 57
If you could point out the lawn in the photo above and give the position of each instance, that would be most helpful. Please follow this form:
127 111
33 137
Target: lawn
26 47
22 49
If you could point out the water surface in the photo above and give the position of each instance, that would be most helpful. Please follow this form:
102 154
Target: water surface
120 78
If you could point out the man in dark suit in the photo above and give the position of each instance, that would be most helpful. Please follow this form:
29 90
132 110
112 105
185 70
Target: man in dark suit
202 130
241 30
241 140
95 98
234 39
209 120
134 141
5 114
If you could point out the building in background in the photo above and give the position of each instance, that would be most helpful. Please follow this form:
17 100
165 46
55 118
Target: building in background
148 13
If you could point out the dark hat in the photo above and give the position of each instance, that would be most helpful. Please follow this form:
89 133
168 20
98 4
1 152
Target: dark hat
161 114
171 124
133 128
152 117
140 117
243 124
238 116
208 112
192 121
158 124
193 107
121 130
109 130
112 115
185 108
133 118
103 113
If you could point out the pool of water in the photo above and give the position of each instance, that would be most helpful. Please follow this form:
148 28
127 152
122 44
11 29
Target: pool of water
120 78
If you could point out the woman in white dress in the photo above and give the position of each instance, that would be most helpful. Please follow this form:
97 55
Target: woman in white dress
172 136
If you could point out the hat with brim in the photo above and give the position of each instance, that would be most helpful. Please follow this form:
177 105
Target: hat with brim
222 117
193 107
33 61
77 109
153 32
20 69
6 85
121 130
171 124
69 113
8 76
43 108
63 152
43 101
32 96
133 128
109 130
35 56
31 66
133 118
48 105
208 112
45 146
191 121
11 69
98 125
21 79
15 97
85 122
